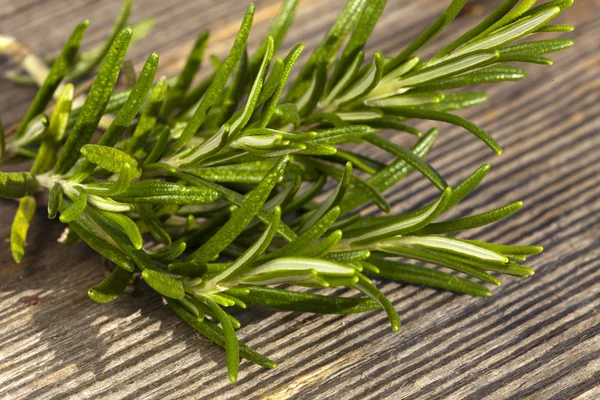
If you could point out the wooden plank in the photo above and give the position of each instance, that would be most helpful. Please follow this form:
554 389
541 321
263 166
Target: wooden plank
536 338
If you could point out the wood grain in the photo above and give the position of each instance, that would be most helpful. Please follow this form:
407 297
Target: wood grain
537 338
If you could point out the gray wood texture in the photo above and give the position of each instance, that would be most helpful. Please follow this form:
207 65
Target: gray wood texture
537 338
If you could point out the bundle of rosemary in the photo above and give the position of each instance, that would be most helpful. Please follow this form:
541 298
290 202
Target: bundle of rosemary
211 192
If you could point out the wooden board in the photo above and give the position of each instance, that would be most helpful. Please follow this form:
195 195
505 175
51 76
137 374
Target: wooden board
536 338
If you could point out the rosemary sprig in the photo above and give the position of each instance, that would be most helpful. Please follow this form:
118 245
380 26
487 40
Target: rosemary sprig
212 193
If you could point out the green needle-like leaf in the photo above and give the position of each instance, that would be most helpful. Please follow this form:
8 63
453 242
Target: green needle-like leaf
92 59
164 284
493 18
491 74
154 192
98 241
297 270
78 206
348 69
433 258
342 135
451 246
231 342
366 83
333 200
218 83
515 13
271 106
237 122
153 224
476 59
330 44
112 188
310 99
389 175
509 33
254 251
128 226
20 226
508 249
539 47
14 185
347 257
116 235
417 275
277 30
59 120
109 158
322 247
168 253
251 172
240 122
555 28
95 103
150 113
308 237
458 101
56 74
454 120
112 286
431 32
475 221
238 200
338 174
159 147
406 100
272 82
358 39
185 78
242 216
467 186
215 334
411 159
302 302
365 164
54 200
364 285
401 224
133 104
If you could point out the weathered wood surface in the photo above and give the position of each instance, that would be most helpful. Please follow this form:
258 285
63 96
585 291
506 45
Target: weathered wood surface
537 338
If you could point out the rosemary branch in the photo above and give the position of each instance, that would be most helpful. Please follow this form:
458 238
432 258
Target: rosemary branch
214 193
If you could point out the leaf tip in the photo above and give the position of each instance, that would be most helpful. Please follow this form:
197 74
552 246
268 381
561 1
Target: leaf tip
68 90
138 244
18 256
433 133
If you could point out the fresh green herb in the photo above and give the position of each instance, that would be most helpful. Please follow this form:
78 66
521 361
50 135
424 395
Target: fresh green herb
211 191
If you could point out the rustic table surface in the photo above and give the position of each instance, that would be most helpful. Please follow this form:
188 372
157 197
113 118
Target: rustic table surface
537 338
